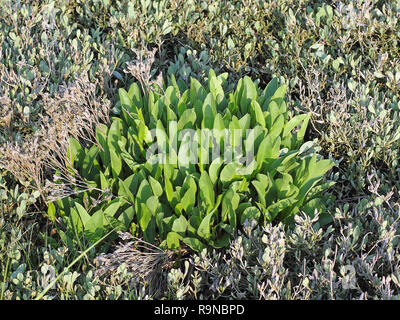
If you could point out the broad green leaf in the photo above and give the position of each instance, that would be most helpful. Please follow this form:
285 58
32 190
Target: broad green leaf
283 185
280 92
180 225
133 182
302 130
269 92
114 135
104 184
187 120
250 213
235 128
82 213
230 202
216 90
161 225
206 189
198 108
155 186
193 224
169 191
320 188
171 94
215 86
127 108
132 164
294 122
94 227
101 137
223 77
126 216
136 96
112 208
229 172
88 161
173 240
218 123
162 138
126 101
51 211
221 242
189 199
274 209
209 112
144 192
264 150
245 122
153 204
76 221
116 163
273 114
249 94
262 184
144 216
123 191
204 229
277 127
214 169
183 103
197 92
75 151
315 172
258 115
284 163
194 243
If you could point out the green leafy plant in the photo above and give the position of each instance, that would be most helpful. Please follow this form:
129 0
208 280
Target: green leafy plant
200 202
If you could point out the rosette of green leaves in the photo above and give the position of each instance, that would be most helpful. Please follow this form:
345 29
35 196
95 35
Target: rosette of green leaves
198 204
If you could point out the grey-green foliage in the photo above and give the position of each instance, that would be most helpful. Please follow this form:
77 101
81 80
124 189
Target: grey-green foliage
357 257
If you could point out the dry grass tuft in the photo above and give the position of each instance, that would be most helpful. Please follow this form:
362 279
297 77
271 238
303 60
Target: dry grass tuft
140 68
146 261
74 111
